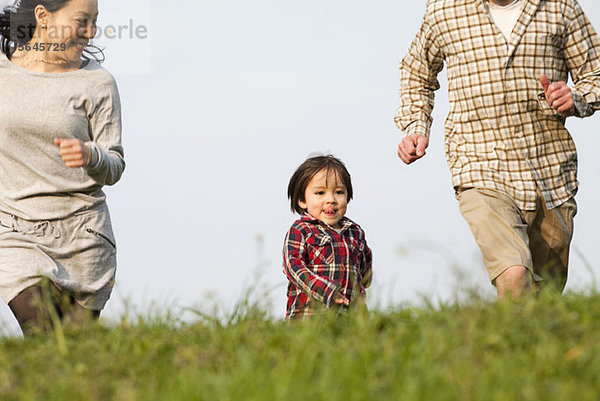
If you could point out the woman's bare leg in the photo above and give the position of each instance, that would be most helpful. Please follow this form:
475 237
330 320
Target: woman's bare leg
30 311
33 308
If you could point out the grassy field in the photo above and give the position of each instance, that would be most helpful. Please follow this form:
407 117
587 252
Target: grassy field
537 349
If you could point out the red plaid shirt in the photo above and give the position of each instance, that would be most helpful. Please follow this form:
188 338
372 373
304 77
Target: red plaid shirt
320 263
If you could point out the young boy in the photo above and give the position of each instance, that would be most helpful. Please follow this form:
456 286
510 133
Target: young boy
325 255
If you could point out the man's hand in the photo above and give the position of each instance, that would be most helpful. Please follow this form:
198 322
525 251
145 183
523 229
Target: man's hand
559 96
412 148
73 152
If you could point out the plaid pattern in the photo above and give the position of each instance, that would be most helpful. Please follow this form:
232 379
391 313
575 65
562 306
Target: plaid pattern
501 133
319 263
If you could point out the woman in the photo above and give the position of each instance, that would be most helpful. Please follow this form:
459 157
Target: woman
60 142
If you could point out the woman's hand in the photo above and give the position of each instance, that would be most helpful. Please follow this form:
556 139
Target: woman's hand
74 152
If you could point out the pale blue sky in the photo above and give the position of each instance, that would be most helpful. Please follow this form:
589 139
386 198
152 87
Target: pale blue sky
224 100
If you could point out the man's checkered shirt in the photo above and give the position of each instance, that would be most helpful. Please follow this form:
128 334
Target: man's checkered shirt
501 133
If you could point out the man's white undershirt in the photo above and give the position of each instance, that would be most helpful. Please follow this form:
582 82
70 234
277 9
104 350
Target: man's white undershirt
505 17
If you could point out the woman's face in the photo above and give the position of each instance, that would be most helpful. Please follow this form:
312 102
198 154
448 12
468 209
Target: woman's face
73 25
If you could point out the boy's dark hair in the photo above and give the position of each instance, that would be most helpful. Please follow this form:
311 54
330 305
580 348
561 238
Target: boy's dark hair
307 170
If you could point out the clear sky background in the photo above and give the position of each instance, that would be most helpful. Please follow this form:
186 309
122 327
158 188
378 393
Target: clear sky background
223 100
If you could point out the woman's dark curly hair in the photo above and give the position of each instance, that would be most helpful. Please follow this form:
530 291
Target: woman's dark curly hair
17 26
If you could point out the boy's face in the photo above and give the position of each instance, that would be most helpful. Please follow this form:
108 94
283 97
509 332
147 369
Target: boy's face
325 198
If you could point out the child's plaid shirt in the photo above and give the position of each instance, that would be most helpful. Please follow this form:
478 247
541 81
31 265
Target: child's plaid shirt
320 263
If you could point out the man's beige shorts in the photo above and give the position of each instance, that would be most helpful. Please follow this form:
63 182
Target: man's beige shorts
507 236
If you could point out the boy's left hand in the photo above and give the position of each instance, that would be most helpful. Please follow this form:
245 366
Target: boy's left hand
341 300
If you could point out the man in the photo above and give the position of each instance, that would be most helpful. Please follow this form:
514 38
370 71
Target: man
513 163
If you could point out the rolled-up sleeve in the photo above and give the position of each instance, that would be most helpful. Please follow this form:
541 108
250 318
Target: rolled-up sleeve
419 70
582 54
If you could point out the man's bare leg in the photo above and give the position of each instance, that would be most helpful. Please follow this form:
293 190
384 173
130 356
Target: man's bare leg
514 282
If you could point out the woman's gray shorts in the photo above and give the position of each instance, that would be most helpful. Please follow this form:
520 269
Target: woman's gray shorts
78 254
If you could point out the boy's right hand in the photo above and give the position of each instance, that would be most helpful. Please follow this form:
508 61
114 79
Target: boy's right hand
412 148
341 300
